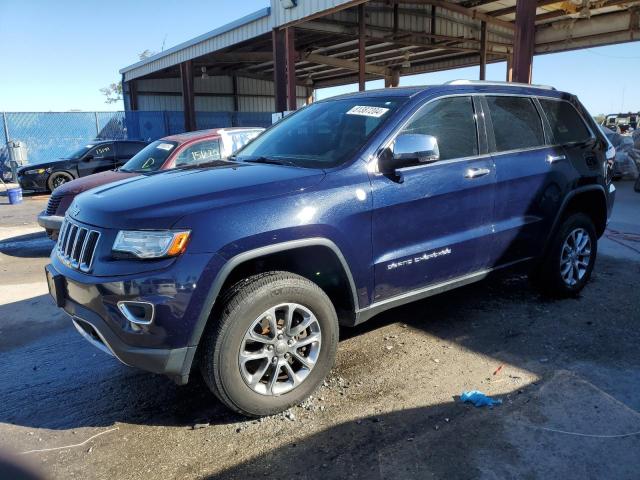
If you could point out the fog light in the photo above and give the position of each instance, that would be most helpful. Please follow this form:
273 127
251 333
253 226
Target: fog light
137 313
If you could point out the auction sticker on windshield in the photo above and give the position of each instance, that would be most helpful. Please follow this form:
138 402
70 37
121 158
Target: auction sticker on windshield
366 111
165 146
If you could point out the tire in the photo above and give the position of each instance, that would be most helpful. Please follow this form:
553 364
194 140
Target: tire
562 272
58 178
245 387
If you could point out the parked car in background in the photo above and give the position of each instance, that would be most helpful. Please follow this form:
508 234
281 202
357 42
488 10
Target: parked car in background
181 150
622 122
94 157
348 207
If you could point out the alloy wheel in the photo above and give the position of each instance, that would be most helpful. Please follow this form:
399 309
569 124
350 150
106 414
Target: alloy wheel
280 349
575 256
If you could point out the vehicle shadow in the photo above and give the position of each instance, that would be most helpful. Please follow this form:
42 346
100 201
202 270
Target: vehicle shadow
32 245
62 382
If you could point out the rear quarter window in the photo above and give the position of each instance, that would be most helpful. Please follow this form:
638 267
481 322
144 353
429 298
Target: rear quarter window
566 124
516 123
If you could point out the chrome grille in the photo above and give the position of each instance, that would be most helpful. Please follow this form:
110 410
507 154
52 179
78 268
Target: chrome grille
76 245
53 204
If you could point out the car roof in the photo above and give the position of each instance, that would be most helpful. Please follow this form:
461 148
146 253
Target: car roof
120 140
455 86
211 133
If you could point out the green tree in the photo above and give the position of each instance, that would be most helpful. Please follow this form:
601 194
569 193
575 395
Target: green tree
113 92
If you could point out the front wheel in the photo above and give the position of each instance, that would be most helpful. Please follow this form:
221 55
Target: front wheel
567 267
58 178
273 344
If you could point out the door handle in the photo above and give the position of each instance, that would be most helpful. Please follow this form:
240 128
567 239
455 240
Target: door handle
555 158
476 172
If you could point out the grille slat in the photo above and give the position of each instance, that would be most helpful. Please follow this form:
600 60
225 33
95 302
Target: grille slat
77 245
53 204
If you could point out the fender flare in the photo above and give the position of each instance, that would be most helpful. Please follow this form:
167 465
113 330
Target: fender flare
563 209
233 262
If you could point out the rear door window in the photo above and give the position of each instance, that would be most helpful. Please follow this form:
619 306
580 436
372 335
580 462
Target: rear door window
516 123
104 151
452 122
129 149
566 124
201 152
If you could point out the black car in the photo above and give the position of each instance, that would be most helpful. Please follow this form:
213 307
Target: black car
92 158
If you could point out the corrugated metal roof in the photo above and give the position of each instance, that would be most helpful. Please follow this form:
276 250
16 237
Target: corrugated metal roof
242 29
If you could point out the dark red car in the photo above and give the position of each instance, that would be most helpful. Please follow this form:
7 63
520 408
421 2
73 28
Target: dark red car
169 152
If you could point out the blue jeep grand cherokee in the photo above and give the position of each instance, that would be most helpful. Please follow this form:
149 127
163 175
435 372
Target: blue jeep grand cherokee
346 208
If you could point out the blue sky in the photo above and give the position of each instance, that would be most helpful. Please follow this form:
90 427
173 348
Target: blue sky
56 55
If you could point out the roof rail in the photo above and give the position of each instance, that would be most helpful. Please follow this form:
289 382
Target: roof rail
496 84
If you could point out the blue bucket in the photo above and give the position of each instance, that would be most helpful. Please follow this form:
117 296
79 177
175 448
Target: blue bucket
15 195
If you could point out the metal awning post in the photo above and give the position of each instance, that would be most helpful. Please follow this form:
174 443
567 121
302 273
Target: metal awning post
524 41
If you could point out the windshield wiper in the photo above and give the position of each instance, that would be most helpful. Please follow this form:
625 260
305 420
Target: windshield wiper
270 160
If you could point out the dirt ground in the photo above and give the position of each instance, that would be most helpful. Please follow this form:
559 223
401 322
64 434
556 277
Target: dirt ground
567 371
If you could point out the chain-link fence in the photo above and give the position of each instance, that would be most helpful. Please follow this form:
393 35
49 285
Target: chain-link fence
48 136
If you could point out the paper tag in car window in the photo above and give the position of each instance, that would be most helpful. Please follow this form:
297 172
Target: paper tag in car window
366 111
165 146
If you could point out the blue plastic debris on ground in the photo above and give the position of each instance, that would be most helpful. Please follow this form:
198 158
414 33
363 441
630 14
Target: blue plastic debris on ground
478 399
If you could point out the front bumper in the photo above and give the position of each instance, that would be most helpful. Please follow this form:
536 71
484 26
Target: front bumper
173 362
50 222
36 183
162 346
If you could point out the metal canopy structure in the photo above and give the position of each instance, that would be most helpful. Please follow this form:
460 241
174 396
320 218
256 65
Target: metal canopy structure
322 43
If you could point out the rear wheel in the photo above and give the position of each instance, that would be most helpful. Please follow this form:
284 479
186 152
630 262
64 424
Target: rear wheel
274 343
58 178
567 267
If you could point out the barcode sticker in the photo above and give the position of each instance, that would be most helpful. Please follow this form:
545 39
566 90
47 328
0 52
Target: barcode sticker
365 111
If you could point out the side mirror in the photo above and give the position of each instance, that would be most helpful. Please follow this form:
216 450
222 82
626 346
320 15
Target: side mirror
413 148
408 149
88 158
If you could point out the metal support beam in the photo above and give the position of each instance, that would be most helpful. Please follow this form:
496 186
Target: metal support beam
234 85
394 80
279 70
509 75
362 55
309 95
133 95
434 22
188 102
346 64
524 42
455 7
483 50
290 47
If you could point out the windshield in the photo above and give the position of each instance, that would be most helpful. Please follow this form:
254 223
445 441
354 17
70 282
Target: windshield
80 152
151 157
322 135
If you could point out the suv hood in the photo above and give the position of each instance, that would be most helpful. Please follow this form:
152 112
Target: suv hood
161 199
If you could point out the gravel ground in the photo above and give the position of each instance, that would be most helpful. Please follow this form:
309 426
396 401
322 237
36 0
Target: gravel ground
567 371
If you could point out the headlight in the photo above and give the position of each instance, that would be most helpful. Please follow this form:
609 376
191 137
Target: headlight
152 243
36 171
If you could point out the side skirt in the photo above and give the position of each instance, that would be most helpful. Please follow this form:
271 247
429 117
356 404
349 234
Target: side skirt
364 314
